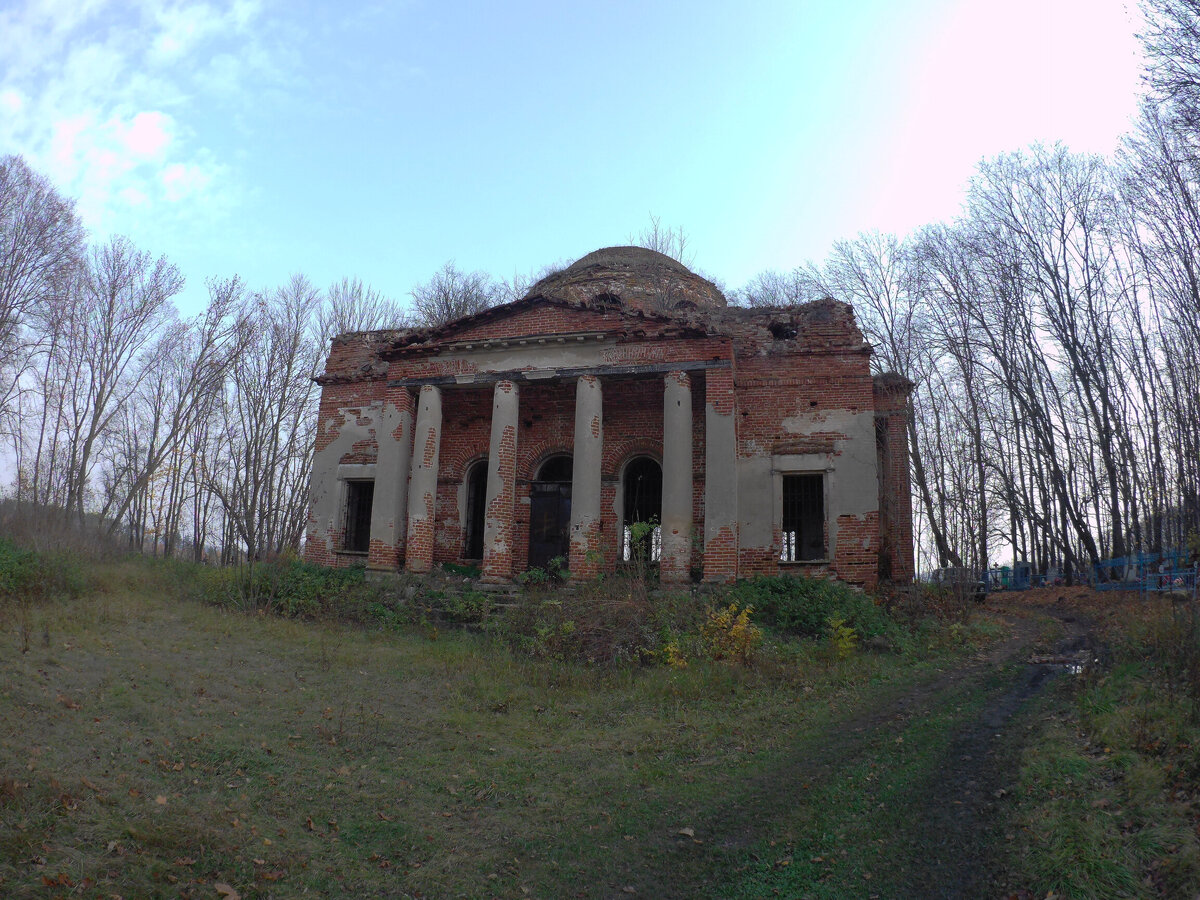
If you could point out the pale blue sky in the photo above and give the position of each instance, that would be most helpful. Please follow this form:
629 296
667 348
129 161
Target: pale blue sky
379 140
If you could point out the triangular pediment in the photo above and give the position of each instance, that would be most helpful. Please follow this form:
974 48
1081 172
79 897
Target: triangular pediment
537 318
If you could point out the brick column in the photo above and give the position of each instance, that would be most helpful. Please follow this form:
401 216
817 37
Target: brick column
720 477
422 484
389 507
675 564
585 478
500 527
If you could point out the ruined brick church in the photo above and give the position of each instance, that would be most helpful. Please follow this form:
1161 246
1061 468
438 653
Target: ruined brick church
620 390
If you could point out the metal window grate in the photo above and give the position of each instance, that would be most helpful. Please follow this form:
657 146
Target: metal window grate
643 503
359 495
803 518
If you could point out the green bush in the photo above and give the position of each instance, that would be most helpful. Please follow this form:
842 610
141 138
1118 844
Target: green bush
291 588
20 570
30 575
803 607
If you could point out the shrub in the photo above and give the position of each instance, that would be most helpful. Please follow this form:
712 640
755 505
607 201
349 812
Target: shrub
803 607
842 636
32 575
609 622
730 635
291 588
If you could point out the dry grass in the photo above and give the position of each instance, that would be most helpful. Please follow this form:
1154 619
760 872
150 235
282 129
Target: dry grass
158 747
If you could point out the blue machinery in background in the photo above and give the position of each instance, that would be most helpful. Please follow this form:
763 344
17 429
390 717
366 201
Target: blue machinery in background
1147 573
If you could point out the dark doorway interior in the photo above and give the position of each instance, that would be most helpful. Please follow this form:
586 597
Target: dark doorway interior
550 512
476 511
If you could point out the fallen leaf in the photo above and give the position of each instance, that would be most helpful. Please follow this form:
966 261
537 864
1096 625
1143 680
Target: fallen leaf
160 800
687 832
225 891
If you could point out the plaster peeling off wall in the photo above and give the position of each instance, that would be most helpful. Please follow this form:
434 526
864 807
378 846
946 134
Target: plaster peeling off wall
326 488
389 512
851 486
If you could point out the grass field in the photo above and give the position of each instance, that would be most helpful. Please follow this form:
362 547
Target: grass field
155 746
158 746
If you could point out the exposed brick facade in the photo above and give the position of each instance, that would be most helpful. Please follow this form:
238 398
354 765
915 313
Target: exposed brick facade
772 392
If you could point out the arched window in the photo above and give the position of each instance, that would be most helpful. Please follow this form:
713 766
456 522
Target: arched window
557 469
476 510
643 504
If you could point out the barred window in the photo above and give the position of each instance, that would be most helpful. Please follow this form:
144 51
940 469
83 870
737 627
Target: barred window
803 518
359 494
643 505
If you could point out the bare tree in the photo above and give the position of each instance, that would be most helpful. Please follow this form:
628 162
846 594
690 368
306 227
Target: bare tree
1172 48
41 240
452 294
186 369
263 451
778 289
110 314
349 305
672 242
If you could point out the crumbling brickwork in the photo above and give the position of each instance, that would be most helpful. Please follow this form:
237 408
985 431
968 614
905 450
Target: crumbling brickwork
773 395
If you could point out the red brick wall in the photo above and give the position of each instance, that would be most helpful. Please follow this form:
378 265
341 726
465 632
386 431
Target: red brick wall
895 485
542 320
772 388
824 369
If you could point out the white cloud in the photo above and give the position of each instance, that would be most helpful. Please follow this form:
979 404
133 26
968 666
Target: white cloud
184 180
147 134
11 101
99 95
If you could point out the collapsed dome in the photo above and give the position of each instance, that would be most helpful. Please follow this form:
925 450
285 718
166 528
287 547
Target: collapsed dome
633 276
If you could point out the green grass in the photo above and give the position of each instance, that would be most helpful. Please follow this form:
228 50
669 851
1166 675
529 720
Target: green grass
156 746
1104 803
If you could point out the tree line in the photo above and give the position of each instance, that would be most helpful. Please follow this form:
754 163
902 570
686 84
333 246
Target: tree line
182 436
1052 331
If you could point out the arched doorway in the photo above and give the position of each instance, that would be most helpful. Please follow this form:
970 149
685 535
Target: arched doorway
642 496
476 510
550 512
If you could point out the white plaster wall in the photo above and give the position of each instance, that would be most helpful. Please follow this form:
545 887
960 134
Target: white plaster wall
851 485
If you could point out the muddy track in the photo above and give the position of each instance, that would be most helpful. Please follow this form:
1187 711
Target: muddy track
947 852
951 855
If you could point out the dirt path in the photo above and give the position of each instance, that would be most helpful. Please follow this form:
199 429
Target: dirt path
951 853
947 850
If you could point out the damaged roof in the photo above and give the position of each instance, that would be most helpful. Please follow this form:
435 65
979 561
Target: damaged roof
646 288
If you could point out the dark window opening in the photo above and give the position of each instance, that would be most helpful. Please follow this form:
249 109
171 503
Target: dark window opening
803 518
359 495
643 503
557 469
782 331
476 510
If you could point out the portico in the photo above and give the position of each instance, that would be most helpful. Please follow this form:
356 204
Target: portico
594 464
